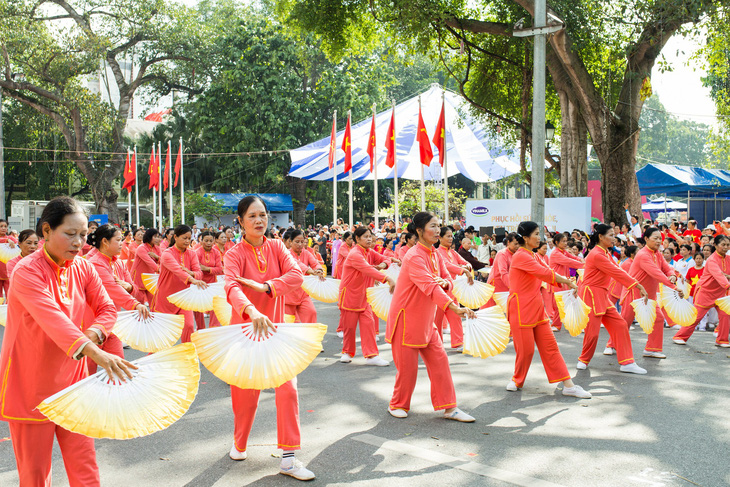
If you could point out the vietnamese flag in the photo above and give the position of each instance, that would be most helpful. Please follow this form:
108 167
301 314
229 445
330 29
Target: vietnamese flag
371 144
154 171
333 141
130 175
424 145
178 165
390 142
347 146
166 181
439 136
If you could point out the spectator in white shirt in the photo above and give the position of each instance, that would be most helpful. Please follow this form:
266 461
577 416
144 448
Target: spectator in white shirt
634 222
685 262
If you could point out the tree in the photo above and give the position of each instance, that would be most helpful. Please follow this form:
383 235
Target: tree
598 64
73 40
409 199
197 204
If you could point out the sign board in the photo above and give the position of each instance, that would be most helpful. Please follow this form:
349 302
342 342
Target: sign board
16 223
561 214
100 219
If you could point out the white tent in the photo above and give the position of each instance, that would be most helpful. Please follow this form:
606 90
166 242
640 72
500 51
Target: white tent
470 150
660 204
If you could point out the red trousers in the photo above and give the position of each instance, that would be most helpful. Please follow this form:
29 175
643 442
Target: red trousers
551 306
368 327
189 326
454 321
723 328
525 339
618 331
434 357
148 296
4 286
245 402
33 447
302 313
656 338
113 345
200 320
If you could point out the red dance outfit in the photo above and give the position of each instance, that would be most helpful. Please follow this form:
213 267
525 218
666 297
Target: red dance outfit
499 275
412 332
358 274
173 279
213 260
454 263
298 303
46 310
269 263
144 264
341 256
712 285
4 273
527 319
561 262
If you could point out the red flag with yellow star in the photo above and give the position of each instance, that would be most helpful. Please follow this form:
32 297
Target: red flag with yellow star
390 143
130 175
439 137
347 146
424 145
333 139
371 144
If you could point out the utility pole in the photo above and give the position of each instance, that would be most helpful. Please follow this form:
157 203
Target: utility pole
2 161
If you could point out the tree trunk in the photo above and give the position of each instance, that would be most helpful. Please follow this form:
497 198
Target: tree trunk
573 149
618 175
299 198
105 196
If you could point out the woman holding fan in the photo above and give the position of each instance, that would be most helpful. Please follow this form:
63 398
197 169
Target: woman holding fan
28 243
211 264
147 260
298 303
561 261
456 265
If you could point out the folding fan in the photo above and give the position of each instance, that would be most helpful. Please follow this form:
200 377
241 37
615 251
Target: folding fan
683 286
573 311
659 296
159 332
220 278
392 271
485 271
501 300
473 295
486 335
380 298
326 291
722 303
195 299
7 253
645 314
3 314
579 273
238 357
679 310
223 311
289 318
150 282
163 387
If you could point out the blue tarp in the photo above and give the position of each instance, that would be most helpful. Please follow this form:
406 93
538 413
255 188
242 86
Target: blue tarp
679 180
276 202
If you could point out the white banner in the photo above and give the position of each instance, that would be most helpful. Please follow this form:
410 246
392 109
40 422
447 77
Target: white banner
561 214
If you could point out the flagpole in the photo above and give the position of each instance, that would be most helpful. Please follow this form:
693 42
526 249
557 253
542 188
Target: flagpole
334 171
159 168
129 198
375 178
168 160
423 184
136 186
395 171
446 174
349 180
182 183
154 195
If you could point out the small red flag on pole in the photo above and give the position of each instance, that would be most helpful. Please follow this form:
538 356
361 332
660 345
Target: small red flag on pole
333 142
424 145
166 179
153 171
178 165
390 142
347 146
371 144
439 136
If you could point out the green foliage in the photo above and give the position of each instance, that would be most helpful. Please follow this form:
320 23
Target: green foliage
409 199
197 204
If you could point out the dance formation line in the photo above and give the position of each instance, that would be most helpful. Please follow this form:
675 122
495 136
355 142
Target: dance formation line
72 300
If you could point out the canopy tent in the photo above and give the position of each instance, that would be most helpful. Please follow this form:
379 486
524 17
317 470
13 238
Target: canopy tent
682 180
275 202
469 149
660 204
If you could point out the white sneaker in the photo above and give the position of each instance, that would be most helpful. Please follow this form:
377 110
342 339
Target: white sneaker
722 345
294 468
650 354
714 334
679 341
576 391
459 415
237 455
340 334
609 351
398 413
554 328
458 349
632 368
581 366
376 361
377 338
511 386
345 359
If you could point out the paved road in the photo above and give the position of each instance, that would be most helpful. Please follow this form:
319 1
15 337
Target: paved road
669 428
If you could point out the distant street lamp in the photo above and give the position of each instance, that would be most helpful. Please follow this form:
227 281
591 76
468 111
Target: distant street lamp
549 132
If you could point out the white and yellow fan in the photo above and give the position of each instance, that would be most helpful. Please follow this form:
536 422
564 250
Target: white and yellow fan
150 282
684 286
486 335
659 296
579 274
3 314
380 298
7 253
722 303
326 291
679 310
223 310
239 358
220 278
196 299
501 300
645 314
473 295
289 318
164 386
160 332
393 271
573 311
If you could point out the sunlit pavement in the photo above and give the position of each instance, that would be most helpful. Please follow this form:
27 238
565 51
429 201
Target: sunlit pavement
669 427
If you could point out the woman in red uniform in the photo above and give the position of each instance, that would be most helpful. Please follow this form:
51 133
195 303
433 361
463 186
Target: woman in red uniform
409 241
526 314
259 272
147 260
28 243
600 271
298 303
211 264
615 290
456 265
561 261
499 275
345 247
43 346
547 294
388 250
360 271
422 287
230 238
107 240
167 238
650 269
127 239
179 268
712 285
132 248
4 274
220 243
